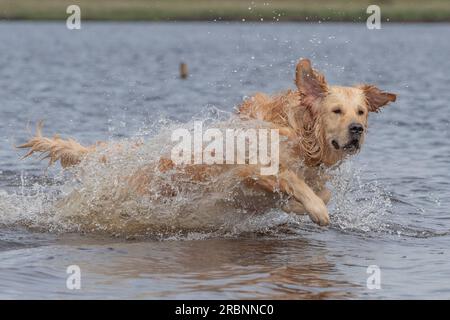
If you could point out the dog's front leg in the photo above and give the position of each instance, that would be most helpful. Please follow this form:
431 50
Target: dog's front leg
291 184
293 206
304 197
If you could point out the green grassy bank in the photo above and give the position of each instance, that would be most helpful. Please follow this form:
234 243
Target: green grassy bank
208 10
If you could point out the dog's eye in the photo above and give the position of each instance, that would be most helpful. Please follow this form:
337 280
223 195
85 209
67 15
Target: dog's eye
337 111
360 112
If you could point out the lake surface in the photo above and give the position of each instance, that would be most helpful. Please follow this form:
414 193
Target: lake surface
120 80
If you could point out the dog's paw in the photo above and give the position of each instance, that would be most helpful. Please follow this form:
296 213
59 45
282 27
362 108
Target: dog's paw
293 206
318 213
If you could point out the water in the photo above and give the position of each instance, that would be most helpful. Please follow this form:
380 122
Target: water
120 80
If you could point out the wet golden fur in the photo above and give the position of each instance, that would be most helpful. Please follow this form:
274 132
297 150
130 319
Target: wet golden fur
322 124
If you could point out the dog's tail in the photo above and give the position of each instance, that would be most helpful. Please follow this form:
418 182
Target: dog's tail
69 152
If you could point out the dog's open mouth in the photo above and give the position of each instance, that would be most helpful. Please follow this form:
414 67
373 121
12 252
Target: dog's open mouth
353 145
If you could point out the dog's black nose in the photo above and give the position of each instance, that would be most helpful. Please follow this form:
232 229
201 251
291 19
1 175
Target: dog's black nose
355 128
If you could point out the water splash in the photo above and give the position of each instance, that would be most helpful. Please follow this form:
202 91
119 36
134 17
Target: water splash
357 205
95 197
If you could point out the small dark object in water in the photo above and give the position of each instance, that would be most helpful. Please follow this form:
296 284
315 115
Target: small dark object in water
183 70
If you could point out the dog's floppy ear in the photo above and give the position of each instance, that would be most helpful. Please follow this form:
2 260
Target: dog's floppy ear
310 83
376 98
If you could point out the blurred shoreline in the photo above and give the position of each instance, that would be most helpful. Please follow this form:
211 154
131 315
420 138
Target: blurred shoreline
228 10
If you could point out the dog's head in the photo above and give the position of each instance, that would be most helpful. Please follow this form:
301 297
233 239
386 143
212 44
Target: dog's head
340 112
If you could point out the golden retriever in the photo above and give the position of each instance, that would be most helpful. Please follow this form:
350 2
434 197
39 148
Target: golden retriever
321 125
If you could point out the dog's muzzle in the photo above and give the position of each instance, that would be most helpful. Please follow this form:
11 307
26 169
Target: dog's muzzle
355 132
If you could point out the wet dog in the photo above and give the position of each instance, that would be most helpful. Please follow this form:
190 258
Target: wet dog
320 124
